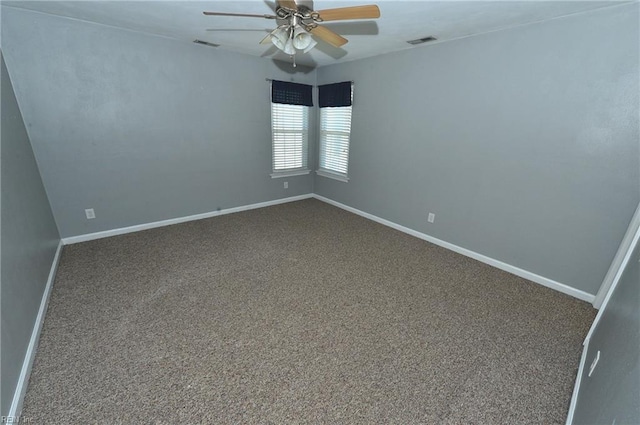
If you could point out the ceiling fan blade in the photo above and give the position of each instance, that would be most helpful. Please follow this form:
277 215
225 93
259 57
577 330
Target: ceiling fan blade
239 14
356 12
289 4
325 34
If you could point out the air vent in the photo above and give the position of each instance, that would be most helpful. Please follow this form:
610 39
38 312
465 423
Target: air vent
206 43
422 40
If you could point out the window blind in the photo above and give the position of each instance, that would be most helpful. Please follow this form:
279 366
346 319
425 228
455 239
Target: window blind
290 128
335 130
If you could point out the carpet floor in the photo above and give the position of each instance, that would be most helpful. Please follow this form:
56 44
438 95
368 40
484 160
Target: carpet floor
298 313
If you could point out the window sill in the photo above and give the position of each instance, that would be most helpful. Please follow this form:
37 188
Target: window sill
279 174
335 176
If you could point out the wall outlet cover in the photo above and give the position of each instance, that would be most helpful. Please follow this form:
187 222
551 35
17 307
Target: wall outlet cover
90 213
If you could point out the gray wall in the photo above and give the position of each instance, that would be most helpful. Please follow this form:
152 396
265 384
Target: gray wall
523 142
29 239
142 128
612 393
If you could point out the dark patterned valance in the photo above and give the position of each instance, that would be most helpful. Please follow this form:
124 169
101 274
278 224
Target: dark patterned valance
291 93
332 95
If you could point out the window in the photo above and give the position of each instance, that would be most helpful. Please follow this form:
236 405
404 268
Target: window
290 127
335 129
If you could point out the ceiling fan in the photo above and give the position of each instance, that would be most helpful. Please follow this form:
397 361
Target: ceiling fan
296 23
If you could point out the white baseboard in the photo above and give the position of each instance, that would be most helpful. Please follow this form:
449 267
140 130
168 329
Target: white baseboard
25 372
146 226
561 287
483 258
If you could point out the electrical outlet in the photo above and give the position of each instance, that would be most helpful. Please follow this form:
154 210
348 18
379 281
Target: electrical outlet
594 363
286 185
431 218
90 213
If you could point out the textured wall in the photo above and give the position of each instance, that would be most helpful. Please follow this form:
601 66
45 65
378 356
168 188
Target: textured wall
523 142
142 128
29 239
612 393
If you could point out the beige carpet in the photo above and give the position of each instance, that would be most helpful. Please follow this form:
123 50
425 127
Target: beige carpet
298 313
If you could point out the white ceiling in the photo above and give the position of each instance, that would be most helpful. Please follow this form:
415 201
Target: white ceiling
400 21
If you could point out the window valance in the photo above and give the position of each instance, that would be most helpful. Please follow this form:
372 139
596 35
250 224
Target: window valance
335 95
291 93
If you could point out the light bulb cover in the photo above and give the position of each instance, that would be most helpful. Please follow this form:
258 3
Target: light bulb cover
301 39
311 45
288 47
279 37
288 39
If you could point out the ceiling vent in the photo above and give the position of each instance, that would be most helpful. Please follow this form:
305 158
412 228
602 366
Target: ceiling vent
422 40
206 43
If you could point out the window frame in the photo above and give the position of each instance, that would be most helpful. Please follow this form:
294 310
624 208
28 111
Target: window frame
304 132
327 172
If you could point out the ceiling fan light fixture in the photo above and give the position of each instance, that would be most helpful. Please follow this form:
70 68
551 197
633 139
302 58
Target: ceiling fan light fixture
279 37
301 38
310 46
289 39
289 49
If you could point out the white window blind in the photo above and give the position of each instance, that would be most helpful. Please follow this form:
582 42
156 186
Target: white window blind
290 129
335 131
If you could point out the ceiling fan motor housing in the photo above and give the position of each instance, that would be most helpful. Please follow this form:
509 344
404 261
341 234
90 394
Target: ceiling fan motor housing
303 15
